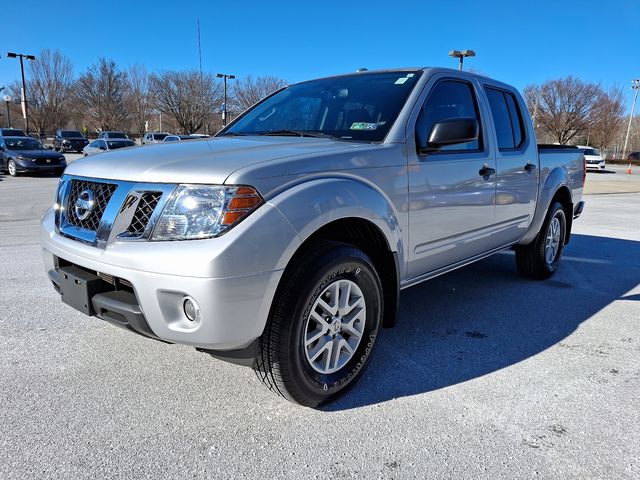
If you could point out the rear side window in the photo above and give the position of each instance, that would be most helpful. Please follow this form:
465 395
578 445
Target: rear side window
449 99
506 118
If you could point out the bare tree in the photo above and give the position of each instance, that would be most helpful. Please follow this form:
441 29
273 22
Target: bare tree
608 117
249 90
137 98
190 97
49 81
563 108
100 93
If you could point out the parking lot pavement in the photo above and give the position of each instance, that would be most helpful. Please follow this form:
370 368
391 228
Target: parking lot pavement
614 179
487 375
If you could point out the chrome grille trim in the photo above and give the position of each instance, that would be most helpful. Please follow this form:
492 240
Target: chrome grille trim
128 213
102 192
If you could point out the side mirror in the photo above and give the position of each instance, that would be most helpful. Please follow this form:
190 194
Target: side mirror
102 148
450 132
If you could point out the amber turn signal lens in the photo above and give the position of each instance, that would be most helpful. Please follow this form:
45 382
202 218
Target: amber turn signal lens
238 203
232 217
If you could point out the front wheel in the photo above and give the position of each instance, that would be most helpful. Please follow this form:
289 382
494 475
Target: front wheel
323 325
11 167
541 258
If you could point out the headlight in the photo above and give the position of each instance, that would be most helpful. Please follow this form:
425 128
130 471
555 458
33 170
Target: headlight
20 157
201 211
65 141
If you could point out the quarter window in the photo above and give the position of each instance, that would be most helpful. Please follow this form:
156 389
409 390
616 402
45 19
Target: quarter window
449 99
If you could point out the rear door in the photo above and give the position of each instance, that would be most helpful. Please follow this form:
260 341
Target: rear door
451 192
517 164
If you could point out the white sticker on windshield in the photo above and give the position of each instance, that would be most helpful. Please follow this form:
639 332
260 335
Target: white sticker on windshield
366 125
400 81
409 75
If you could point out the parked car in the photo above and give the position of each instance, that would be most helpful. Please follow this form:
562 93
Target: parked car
113 135
12 132
28 155
65 140
593 157
633 156
178 138
105 145
283 242
153 137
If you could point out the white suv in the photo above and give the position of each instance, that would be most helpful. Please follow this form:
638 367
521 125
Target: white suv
593 157
153 137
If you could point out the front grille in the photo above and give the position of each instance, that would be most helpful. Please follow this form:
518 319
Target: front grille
102 193
46 161
146 206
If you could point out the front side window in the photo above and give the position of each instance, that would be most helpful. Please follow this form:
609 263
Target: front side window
448 99
360 107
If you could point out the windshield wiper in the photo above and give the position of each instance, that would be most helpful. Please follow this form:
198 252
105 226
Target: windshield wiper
232 134
298 133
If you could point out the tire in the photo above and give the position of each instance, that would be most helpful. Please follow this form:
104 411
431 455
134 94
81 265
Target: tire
297 358
541 258
11 168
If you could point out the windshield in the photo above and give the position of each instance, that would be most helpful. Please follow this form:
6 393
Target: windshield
119 144
25 143
116 135
354 107
70 134
159 136
590 151
12 132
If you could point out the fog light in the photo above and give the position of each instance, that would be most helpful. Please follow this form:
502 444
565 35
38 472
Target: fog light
191 309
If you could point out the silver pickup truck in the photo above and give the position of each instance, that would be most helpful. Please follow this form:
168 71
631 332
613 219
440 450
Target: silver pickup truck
283 242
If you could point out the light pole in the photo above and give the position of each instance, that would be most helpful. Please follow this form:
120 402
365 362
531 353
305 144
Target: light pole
461 54
224 105
24 86
635 85
8 99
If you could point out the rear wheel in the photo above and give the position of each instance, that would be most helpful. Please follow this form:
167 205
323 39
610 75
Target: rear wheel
323 325
541 258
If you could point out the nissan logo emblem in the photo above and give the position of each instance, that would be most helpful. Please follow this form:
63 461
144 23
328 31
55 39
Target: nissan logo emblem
84 204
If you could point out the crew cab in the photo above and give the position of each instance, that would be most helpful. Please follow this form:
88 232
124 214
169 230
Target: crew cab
283 242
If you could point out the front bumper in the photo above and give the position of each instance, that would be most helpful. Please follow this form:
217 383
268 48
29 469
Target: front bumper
30 167
234 307
601 165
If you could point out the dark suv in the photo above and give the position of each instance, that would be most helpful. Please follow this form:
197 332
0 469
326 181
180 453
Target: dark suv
65 140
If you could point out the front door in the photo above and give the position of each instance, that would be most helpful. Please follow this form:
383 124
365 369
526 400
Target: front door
452 191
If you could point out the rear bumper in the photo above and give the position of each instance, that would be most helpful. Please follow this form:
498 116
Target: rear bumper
577 209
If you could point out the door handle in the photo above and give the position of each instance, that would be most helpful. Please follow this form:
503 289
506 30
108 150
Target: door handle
486 171
529 167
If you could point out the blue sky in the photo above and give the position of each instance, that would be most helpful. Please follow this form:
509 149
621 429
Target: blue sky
516 42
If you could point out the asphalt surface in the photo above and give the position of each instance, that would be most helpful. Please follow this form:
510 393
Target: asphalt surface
487 375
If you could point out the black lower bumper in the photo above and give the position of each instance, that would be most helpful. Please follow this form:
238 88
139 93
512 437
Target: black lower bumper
93 296
577 209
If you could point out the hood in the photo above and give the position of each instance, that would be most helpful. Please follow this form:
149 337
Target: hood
199 161
36 154
593 157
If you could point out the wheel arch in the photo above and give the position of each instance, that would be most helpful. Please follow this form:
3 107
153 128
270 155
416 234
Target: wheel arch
352 212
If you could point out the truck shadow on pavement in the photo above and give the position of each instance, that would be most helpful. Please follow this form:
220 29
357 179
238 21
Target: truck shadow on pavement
485 317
